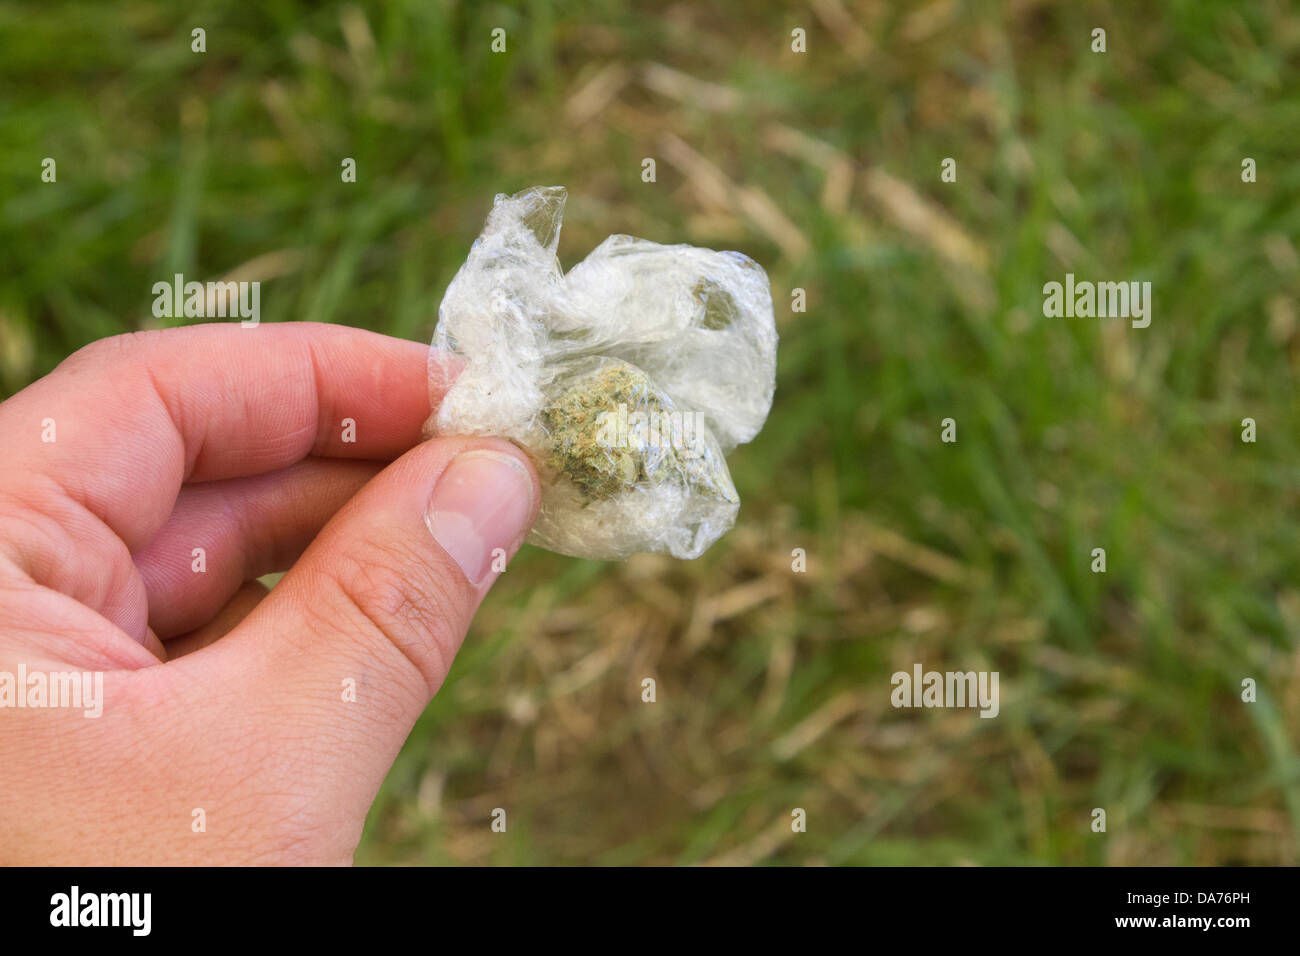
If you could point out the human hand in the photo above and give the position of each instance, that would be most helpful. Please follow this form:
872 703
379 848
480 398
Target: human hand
223 703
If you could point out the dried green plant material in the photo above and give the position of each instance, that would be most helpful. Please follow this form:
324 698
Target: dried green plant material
611 429
575 425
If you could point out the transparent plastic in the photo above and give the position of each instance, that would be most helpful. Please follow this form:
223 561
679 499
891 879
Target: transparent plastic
626 381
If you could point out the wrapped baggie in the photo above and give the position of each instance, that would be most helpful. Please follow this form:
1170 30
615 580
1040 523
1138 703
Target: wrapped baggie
626 381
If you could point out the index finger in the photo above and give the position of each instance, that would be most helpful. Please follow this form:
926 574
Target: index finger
124 422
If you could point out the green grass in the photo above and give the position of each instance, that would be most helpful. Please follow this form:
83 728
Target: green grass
1119 691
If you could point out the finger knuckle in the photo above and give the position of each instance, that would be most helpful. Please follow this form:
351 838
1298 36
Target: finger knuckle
112 348
394 592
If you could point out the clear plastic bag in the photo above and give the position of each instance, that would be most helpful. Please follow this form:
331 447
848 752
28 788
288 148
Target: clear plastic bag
626 380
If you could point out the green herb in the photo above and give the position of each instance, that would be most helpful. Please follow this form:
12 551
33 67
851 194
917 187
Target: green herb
589 444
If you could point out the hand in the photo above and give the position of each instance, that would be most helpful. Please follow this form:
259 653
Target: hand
147 482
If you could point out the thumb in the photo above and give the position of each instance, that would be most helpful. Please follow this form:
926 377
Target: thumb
350 646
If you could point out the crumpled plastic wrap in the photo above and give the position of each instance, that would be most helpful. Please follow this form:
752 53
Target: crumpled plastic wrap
626 381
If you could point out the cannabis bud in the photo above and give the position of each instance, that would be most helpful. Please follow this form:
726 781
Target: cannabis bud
626 380
611 430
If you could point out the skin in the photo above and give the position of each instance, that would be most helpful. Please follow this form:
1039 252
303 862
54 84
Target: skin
218 694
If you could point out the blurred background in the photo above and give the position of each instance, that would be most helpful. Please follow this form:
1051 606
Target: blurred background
1119 690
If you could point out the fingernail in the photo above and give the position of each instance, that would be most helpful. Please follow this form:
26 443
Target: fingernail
482 502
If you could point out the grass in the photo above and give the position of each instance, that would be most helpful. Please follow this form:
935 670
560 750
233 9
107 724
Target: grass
924 301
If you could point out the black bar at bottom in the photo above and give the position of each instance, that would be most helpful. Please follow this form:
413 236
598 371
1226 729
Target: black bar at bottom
548 905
